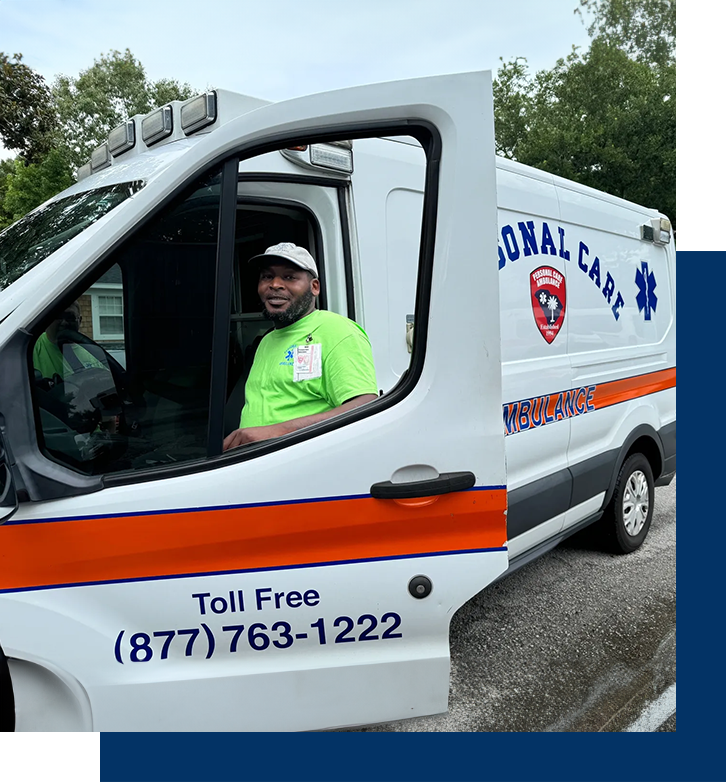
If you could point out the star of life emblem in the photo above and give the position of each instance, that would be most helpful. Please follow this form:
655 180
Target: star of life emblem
549 300
646 299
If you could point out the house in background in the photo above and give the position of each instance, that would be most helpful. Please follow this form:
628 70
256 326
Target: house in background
102 311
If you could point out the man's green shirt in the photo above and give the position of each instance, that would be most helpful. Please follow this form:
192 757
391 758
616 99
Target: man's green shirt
309 367
49 360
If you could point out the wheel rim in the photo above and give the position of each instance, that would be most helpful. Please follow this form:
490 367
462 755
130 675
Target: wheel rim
636 503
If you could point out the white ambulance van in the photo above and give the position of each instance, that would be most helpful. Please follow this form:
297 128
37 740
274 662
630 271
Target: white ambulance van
523 330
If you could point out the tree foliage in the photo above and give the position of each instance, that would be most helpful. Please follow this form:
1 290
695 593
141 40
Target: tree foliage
103 96
605 117
27 117
644 29
513 106
6 167
55 130
27 185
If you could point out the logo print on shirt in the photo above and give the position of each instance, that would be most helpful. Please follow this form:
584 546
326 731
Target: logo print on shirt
289 353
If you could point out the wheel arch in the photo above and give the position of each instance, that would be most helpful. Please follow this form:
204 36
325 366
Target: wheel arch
643 439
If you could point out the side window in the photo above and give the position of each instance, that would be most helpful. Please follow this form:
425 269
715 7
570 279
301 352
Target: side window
122 374
150 364
371 245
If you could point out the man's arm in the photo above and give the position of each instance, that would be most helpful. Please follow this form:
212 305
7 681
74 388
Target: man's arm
253 434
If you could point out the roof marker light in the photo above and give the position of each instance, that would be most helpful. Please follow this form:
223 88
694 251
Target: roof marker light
100 158
122 138
661 230
335 156
199 112
83 171
157 126
658 231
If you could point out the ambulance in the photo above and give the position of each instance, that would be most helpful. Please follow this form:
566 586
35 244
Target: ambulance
523 331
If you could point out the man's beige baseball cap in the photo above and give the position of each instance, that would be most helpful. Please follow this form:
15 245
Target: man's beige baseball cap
289 252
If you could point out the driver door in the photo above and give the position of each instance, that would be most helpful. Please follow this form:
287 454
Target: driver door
306 583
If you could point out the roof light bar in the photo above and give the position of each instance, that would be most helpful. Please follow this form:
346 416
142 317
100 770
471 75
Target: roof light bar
658 231
157 126
83 171
199 112
100 158
122 138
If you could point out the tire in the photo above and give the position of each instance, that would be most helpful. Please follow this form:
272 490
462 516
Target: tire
627 519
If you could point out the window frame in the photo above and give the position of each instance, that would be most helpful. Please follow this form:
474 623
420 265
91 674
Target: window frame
40 478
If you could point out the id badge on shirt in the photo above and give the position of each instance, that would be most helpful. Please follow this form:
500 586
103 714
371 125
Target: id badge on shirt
307 362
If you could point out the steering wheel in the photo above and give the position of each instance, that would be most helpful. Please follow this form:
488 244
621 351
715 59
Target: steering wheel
122 398
82 400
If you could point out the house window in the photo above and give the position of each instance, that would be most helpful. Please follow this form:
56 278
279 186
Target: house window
108 314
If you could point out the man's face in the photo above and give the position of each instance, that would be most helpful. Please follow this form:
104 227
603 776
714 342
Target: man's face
287 292
71 319
68 320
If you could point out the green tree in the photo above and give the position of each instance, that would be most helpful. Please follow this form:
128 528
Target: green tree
27 116
605 117
602 119
27 185
6 167
113 89
513 104
56 130
644 29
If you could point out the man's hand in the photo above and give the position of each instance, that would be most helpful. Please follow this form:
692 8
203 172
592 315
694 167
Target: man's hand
252 434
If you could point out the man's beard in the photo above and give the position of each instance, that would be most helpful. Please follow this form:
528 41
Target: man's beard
294 312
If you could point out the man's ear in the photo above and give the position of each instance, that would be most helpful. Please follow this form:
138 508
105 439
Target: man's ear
315 287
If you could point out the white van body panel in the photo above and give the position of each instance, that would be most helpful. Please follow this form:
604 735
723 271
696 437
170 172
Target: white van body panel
543 424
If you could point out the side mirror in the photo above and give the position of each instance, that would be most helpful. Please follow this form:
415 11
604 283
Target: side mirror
8 495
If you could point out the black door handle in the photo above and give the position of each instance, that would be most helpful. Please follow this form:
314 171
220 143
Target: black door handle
444 484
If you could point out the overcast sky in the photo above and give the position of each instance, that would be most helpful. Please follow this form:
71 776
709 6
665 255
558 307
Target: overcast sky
279 49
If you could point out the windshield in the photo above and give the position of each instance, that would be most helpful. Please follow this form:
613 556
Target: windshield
34 237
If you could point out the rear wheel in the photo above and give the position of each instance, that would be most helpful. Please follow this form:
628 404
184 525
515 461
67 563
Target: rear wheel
627 519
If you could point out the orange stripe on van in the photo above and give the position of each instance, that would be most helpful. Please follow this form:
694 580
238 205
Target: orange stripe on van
617 391
526 414
157 545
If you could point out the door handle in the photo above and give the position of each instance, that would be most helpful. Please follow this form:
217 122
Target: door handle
446 483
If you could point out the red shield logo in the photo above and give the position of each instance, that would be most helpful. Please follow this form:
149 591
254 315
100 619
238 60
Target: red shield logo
549 299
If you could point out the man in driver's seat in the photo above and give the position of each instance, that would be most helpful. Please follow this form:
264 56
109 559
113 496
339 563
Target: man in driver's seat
312 366
59 360
52 359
